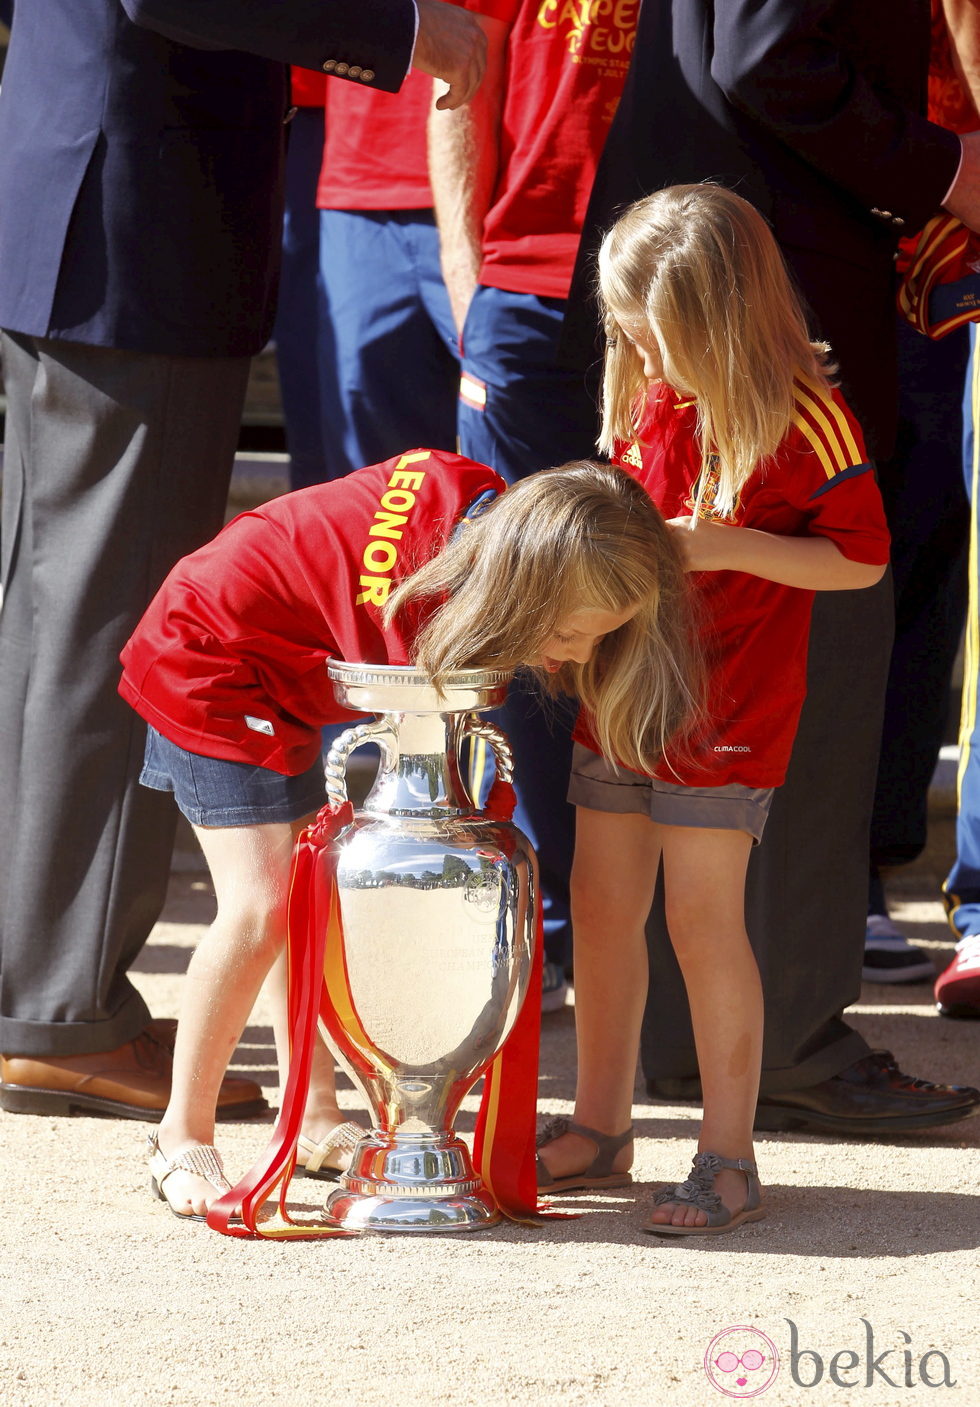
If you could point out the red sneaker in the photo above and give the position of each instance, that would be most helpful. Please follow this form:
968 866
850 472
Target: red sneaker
958 988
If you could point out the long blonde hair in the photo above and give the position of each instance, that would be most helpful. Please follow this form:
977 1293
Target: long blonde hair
696 269
584 536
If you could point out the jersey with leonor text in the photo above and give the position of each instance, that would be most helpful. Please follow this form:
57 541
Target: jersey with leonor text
229 660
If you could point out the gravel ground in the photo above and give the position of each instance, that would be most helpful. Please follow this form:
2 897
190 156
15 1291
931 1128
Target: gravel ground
109 1301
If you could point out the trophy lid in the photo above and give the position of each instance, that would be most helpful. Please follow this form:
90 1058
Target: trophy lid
393 688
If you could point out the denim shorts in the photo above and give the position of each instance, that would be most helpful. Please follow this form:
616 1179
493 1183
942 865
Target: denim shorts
211 792
603 786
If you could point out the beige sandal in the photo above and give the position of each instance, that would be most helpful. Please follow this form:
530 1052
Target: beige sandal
203 1160
331 1156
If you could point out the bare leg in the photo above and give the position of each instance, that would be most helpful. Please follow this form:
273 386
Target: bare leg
704 882
250 869
613 878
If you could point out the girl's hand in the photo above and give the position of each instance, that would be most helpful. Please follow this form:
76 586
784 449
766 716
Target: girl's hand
703 543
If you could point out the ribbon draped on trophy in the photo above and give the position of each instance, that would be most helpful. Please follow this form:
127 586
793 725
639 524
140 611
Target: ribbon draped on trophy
415 948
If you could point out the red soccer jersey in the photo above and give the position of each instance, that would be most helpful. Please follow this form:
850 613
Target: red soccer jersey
755 632
229 659
374 153
566 66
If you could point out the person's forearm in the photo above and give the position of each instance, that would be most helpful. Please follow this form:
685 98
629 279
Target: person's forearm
463 156
810 563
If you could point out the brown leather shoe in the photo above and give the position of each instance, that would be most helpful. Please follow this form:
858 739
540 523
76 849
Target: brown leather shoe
132 1082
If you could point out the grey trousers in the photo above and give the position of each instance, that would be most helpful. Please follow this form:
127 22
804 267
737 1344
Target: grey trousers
115 464
807 887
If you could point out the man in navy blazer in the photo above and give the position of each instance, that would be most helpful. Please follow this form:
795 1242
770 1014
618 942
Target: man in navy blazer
141 151
813 111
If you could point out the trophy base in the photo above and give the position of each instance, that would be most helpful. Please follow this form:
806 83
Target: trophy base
356 1212
411 1184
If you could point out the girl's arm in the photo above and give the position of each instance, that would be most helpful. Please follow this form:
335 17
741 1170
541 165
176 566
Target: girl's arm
811 563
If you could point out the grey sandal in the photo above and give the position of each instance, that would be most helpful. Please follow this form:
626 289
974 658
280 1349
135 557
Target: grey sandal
599 1173
203 1160
699 1191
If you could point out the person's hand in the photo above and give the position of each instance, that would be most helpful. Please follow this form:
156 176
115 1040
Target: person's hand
702 543
451 46
964 198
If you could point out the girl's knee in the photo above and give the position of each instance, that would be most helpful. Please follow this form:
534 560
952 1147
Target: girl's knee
596 913
607 902
699 928
259 926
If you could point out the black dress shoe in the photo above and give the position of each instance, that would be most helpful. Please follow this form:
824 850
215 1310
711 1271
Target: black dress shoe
872 1096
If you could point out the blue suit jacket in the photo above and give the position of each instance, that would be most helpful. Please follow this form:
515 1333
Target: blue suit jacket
141 147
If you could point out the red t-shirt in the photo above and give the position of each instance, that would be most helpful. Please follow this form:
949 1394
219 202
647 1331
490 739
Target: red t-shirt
374 154
229 659
566 65
755 632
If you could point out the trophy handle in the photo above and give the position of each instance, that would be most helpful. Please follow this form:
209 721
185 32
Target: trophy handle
502 752
335 767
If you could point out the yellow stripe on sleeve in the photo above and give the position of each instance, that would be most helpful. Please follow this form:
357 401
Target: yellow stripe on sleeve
818 442
840 436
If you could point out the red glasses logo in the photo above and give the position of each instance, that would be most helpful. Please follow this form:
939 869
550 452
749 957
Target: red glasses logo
741 1361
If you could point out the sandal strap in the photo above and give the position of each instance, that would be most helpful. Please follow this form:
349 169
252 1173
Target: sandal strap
342 1139
607 1144
202 1159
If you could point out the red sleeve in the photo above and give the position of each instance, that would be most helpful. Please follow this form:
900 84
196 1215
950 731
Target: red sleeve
830 479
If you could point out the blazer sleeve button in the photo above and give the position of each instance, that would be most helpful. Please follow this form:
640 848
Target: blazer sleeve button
354 71
341 70
329 65
367 75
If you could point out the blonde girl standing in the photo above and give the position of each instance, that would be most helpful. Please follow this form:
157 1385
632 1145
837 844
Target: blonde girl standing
719 403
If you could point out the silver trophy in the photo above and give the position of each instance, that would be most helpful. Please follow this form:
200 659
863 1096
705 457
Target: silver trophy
436 904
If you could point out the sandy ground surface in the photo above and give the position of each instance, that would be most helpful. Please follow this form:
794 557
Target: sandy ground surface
107 1299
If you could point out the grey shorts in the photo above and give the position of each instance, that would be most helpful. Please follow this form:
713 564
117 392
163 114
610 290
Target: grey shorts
603 786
